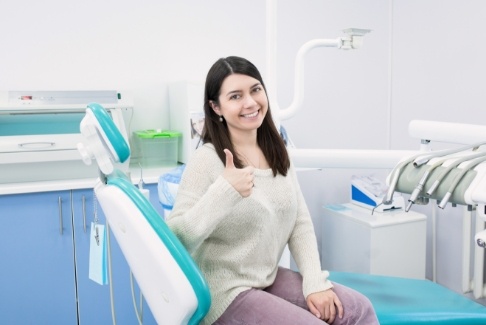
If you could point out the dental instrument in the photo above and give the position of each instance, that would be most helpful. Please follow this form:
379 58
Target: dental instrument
393 178
418 189
173 286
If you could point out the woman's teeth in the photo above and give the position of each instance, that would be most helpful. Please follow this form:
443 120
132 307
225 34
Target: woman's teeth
251 115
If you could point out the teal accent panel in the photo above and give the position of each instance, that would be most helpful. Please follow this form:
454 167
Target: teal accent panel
406 301
359 196
40 124
175 247
112 133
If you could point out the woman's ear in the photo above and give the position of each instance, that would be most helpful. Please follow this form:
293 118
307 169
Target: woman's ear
214 106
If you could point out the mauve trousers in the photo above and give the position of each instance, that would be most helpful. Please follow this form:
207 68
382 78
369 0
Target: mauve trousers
283 303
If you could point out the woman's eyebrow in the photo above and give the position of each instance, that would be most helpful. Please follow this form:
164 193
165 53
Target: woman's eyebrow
233 92
239 91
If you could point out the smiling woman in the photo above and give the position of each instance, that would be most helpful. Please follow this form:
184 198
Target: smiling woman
239 204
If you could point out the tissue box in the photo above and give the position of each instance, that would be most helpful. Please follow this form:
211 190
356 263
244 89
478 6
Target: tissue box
157 147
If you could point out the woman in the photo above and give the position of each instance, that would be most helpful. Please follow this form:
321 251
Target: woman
239 204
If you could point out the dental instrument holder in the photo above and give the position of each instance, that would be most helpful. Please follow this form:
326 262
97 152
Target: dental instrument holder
410 176
172 285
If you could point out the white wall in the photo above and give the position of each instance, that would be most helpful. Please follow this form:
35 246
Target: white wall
423 60
124 45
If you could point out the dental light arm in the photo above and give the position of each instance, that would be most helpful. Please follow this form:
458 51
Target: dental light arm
352 40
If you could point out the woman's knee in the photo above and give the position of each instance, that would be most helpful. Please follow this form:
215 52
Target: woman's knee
358 309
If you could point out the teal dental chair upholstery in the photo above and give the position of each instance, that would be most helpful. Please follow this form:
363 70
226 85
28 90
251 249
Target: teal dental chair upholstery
402 301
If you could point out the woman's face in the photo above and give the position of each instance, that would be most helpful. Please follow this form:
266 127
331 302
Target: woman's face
243 103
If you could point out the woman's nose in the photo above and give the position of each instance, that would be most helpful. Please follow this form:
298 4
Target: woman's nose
249 101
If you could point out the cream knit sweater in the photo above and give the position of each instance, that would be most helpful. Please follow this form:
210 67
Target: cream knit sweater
237 242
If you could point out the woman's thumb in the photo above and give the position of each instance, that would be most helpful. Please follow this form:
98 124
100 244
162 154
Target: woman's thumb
229 159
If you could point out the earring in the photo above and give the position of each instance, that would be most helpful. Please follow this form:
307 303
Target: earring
221 118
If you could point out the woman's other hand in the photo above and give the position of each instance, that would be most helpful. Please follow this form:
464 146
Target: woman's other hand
325 305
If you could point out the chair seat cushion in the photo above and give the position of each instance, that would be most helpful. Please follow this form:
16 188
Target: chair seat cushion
413 301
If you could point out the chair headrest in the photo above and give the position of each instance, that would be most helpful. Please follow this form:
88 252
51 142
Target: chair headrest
104 141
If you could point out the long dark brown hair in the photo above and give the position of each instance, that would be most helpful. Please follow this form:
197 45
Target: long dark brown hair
216 132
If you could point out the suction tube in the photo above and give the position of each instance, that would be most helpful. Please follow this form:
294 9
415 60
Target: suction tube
395 174
446 171
458 178
419 161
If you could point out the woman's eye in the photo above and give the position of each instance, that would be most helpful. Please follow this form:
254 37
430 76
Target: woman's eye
235 97
257 89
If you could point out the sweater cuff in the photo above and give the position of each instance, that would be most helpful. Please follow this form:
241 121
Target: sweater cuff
316 284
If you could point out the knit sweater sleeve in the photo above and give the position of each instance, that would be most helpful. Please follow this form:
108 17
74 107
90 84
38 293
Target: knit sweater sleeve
303 247
203 199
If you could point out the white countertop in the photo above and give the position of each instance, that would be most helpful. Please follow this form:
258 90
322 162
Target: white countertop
150 176
364 216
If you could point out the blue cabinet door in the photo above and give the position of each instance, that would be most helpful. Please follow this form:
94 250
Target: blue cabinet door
37 281
94 299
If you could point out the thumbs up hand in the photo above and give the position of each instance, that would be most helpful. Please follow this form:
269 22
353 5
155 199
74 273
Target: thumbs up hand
240 178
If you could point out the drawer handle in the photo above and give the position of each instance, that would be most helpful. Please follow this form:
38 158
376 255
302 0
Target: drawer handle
37 145
84 213
60 215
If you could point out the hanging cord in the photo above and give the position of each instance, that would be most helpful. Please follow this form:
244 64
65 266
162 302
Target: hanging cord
139 310
112 298
108 253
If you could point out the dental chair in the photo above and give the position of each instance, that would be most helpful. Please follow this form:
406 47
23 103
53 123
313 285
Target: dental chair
173 286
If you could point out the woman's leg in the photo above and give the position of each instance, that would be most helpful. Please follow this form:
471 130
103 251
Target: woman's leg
257 307
283 303
357 308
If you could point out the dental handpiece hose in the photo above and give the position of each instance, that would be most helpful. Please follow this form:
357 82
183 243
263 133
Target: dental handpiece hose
419 161
418 189
388 198
447 169
458 178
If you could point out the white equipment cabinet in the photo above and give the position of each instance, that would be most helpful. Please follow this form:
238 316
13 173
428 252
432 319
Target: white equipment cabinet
388 243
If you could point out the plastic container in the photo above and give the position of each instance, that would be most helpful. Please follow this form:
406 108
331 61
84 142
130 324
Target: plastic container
157 147
167 188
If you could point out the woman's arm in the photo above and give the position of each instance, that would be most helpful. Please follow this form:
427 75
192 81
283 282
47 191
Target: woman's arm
303 246
203 198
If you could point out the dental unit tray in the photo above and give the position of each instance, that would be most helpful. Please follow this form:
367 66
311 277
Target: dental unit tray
172 284
368 192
